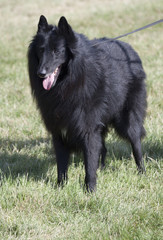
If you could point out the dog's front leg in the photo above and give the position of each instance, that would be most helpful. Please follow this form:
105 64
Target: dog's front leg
92 150
62 157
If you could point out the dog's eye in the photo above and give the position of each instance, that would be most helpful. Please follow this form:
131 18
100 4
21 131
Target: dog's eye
55 51
63 51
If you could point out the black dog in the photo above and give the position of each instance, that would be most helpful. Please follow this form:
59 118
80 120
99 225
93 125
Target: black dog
82 87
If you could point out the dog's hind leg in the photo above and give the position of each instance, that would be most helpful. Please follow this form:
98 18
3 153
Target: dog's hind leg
135 132
130 127
137 152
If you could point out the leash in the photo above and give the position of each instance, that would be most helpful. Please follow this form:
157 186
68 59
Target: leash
126 34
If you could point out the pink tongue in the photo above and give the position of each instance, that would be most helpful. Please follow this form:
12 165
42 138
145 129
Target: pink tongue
48 82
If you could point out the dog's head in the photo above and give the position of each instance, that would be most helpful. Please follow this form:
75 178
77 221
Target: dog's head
53 49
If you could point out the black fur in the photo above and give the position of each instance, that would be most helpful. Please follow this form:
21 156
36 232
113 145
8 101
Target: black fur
99 85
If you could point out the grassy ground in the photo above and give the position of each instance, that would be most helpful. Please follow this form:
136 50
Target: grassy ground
125 206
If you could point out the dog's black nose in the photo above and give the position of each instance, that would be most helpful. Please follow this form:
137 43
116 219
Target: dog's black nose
42 73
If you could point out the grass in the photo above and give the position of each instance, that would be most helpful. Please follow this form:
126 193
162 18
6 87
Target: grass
125 205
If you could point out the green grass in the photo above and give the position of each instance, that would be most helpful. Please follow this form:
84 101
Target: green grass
125 205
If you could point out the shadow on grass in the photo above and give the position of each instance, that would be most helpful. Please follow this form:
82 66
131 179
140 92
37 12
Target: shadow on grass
34 158
120 149
19 158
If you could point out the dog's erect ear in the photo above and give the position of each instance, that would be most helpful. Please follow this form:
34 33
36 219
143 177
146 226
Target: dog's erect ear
66 30
43 24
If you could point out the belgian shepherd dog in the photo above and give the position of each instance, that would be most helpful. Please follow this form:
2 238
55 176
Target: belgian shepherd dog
82 87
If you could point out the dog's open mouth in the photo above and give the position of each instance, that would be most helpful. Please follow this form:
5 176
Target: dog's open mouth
51 79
